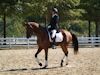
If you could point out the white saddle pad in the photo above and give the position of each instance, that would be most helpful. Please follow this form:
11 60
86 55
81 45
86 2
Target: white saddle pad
59 37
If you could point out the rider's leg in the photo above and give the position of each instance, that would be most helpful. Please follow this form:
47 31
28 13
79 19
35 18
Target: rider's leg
53 37
53 33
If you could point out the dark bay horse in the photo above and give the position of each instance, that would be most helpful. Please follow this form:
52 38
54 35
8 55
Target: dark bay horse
44 43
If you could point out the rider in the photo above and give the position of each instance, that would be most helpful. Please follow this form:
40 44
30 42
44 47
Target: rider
54 25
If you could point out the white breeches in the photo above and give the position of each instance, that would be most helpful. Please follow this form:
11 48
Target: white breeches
53 33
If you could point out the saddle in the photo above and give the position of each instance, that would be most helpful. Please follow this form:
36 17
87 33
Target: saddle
58 38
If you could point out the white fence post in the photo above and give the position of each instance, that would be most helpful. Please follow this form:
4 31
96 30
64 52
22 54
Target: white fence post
92 38
10 43
28 43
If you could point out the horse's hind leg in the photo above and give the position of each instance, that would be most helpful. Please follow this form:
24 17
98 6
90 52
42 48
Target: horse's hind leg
39 50
65 50
46 58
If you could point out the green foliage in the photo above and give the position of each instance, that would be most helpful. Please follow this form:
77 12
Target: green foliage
7 6
15 27
92 9
78 27
70 11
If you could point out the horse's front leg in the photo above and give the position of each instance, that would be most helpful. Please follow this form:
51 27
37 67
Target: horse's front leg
38 51
46 58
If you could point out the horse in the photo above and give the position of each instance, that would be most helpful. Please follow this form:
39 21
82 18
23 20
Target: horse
44 43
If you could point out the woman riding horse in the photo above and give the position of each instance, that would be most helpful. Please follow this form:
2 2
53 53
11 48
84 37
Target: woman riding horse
54 25
44 43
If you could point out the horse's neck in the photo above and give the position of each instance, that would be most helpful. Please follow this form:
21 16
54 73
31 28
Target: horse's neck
40 32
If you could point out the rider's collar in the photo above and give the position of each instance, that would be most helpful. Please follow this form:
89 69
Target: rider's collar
54 15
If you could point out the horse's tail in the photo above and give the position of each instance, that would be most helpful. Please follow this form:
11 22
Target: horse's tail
75 43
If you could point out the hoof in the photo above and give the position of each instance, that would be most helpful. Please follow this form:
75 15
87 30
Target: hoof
66 63
62 63
44 67
40 64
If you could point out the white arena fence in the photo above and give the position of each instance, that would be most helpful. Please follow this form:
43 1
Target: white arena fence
12 42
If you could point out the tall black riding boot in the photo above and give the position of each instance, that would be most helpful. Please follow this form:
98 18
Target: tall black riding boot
53 44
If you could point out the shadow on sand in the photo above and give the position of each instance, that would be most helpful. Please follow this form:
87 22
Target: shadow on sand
26 69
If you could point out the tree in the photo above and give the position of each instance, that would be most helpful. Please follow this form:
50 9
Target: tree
92 12
6 8
39 10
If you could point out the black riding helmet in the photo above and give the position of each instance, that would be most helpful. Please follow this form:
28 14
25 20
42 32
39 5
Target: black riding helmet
55 10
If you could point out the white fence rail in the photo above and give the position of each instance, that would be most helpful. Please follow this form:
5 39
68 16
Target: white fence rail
11 42
89 41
